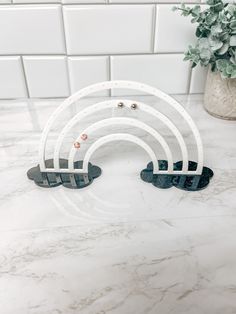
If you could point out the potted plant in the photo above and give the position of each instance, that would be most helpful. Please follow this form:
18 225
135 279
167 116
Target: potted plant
215 47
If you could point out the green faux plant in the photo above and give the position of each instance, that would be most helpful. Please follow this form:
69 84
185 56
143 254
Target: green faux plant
216 36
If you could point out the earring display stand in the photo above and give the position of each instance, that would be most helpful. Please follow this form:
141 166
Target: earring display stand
185 174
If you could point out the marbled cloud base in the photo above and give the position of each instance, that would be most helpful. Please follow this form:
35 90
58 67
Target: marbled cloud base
122 247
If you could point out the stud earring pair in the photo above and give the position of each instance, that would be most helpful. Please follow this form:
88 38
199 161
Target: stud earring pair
121 105
83 137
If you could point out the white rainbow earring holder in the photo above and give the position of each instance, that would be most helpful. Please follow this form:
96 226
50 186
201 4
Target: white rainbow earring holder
186 174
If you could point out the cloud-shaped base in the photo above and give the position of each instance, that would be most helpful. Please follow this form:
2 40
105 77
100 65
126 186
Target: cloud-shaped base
72 181
184 182
163 181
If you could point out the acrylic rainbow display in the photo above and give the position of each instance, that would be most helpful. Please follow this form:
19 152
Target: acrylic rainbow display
185 174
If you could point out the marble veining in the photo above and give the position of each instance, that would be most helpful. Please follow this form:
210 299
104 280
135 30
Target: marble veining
120 246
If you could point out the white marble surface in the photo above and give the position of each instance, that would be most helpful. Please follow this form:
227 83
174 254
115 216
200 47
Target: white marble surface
120 246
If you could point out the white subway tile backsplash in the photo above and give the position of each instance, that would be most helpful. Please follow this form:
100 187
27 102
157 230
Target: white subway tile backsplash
166 72
30 29
198 79
173 32
68 44
105 29
12 83
84 71
46 76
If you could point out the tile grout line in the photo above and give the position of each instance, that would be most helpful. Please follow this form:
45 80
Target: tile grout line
63 30
66 50
109 73
25 78
51 98
100 4
94 55
153 35
68 75
189 78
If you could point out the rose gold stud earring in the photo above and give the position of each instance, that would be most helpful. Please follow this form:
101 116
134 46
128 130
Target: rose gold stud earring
84 137
76 145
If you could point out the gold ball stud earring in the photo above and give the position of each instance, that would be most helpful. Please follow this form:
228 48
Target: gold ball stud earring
120 105
134 106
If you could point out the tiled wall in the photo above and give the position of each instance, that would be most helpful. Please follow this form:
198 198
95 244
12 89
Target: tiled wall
51 49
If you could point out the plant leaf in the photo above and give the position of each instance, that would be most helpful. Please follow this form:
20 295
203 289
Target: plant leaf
233 74
232 41
223 49
216 29
215 43
205 54
211 18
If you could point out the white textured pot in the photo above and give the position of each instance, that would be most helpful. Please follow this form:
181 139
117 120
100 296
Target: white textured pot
220 96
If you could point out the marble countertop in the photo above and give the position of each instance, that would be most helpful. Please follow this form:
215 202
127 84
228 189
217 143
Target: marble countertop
119 246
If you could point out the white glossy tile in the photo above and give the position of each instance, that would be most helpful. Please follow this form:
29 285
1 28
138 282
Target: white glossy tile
36 1
83 1
4 1
198 80
84 71
166 72
109 29
31 29
12 82
151 1
46 76
225 1
132 1
174 33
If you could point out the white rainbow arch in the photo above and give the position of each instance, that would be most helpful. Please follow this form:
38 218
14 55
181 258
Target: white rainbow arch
113 103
